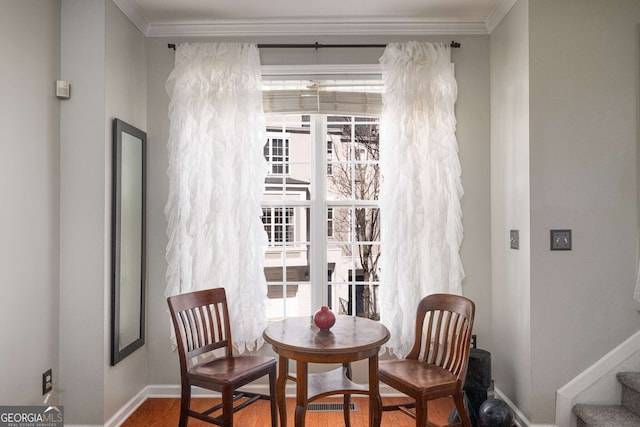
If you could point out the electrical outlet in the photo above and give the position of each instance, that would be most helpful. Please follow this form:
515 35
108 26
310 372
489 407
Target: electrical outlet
47 381
560 240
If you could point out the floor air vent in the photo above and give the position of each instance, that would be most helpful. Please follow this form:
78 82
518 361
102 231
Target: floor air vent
330 407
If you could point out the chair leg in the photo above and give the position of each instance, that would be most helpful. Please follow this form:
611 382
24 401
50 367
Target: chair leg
458 399
227 407
272 397
185 403
421 413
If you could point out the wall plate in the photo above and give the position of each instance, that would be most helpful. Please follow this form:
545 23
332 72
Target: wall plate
47 381
63 89
560 240
514 239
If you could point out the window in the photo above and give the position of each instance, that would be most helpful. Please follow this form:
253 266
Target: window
278 223
320 211
329 158
276 151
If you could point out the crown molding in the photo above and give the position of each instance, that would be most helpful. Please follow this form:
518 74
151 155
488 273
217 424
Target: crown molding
498 13
315 27
131 11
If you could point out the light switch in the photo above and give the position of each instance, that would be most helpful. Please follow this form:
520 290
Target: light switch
560 240
514 239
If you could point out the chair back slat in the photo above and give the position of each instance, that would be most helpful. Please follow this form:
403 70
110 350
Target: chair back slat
201 322
443 332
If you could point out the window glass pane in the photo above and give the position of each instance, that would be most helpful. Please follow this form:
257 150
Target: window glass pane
342 224
366 224
340 301
294 299
354 158
355 298
280 224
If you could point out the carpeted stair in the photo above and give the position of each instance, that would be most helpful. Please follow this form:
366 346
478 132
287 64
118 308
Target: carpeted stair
627 414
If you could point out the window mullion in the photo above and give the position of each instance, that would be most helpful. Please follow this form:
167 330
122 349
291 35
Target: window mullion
318 214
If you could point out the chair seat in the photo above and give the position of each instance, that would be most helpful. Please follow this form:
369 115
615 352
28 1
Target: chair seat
236 370
417 379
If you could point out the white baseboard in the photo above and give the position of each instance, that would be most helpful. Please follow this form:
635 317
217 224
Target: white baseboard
520 419
123 413
128 409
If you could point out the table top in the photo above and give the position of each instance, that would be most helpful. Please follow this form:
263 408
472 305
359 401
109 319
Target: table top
298 336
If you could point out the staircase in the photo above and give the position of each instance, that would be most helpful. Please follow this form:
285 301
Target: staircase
627 414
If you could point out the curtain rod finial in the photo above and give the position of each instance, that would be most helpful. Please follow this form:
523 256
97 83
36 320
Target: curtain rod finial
455 44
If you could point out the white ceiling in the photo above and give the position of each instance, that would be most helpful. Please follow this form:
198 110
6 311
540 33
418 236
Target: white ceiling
157 18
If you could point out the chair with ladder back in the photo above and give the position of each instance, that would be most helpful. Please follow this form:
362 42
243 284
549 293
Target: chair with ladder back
437 363
201 323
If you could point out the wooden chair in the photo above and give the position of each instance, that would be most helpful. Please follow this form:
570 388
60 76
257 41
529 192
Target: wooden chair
201 322
437 364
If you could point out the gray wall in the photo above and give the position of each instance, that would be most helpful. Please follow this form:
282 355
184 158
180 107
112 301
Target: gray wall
103 57
511 320
584 136
126 99
583 91
83 211
472 109
29 185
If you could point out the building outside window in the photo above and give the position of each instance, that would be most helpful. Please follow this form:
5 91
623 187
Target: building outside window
279 224
329 158
276 151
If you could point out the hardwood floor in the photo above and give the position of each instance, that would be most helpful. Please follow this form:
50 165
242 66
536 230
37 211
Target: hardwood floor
161 412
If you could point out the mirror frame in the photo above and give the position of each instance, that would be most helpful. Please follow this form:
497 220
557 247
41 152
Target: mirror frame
120 128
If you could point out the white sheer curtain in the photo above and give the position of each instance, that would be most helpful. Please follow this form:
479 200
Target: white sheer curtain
216 175
420 194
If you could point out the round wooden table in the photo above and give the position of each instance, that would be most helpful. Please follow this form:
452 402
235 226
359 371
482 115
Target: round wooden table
350 339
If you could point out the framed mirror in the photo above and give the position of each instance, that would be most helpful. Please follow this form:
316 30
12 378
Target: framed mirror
128 240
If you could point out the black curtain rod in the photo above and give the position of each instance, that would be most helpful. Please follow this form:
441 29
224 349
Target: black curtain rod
317 45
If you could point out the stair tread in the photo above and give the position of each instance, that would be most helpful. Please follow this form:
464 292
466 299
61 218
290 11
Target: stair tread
630 379
606 415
